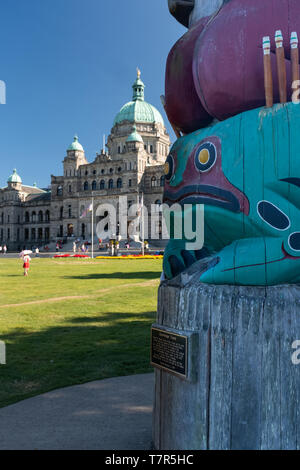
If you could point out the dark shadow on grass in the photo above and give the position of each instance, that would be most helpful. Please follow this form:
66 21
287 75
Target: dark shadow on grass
64 355
147 275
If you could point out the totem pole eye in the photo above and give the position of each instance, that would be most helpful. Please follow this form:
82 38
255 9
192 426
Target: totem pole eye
205 157
169 167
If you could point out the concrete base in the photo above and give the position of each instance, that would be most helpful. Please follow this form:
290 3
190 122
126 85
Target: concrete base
246 390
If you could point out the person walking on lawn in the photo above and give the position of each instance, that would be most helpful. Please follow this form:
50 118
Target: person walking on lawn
26 264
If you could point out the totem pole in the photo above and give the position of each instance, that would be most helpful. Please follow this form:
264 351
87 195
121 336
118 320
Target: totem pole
230 312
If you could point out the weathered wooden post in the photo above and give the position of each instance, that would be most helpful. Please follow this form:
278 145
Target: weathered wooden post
241 389
228 324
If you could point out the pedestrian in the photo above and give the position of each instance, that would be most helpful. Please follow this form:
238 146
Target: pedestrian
74 247
0 249
37 252
26 264
4 249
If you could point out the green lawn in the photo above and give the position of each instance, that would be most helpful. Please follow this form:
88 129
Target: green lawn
74 321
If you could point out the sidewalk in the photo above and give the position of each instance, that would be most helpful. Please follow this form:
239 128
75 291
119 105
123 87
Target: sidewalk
111 414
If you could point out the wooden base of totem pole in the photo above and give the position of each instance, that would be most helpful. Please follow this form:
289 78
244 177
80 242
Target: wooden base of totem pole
242 389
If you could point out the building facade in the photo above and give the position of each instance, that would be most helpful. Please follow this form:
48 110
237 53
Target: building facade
132 166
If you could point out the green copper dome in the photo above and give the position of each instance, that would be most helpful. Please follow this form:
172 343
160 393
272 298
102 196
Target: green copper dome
75 145
138 110
135 136
14 178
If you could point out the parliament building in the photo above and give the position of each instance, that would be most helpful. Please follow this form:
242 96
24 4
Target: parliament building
131 165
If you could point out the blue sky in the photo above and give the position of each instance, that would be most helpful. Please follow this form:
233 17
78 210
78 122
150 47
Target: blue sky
69 66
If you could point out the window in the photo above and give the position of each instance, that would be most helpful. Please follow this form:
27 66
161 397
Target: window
70 188
153 182
8 234
47 216
33 234
26 217
94 185
86 186
83 230
119 183
162 180
119 149
119 169
61 213
33 217
111 170
102 171
151 148
41 216
59 190
70 211
102 184
47 233
26 233
94 172
129 183
110 184
40 233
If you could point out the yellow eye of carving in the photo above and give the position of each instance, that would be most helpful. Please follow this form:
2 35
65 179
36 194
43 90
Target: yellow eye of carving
204 156
167 168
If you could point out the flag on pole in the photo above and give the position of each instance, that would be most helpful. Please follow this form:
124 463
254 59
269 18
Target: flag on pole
87 210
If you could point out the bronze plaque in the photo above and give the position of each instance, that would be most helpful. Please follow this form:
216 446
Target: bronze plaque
169 351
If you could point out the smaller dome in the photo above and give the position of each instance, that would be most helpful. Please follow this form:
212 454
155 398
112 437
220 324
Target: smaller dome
135 136
75 145
14 178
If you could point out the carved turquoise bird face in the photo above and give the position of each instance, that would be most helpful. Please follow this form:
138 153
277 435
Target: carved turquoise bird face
246 172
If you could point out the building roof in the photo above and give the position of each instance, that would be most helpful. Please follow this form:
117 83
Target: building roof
14 178
138 110
135 136
75 145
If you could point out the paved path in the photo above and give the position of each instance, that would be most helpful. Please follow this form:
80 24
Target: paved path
111 414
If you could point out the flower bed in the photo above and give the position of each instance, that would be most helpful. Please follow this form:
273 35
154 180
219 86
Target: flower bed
131 257
66 255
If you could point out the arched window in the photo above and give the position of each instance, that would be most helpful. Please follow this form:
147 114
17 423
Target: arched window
61 213
119 183
151 148
86 186
33 217
94 185
59 190
162 180
40 216
157 205
33 234
119 149
153 181
47 216
110 184
83 230
26 217
102 184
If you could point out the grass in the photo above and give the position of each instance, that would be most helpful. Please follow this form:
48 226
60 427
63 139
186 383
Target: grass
74 321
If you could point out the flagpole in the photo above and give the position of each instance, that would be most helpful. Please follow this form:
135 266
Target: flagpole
92 227
143 228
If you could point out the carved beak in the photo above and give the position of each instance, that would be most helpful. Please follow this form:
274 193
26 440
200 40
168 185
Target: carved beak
181 10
